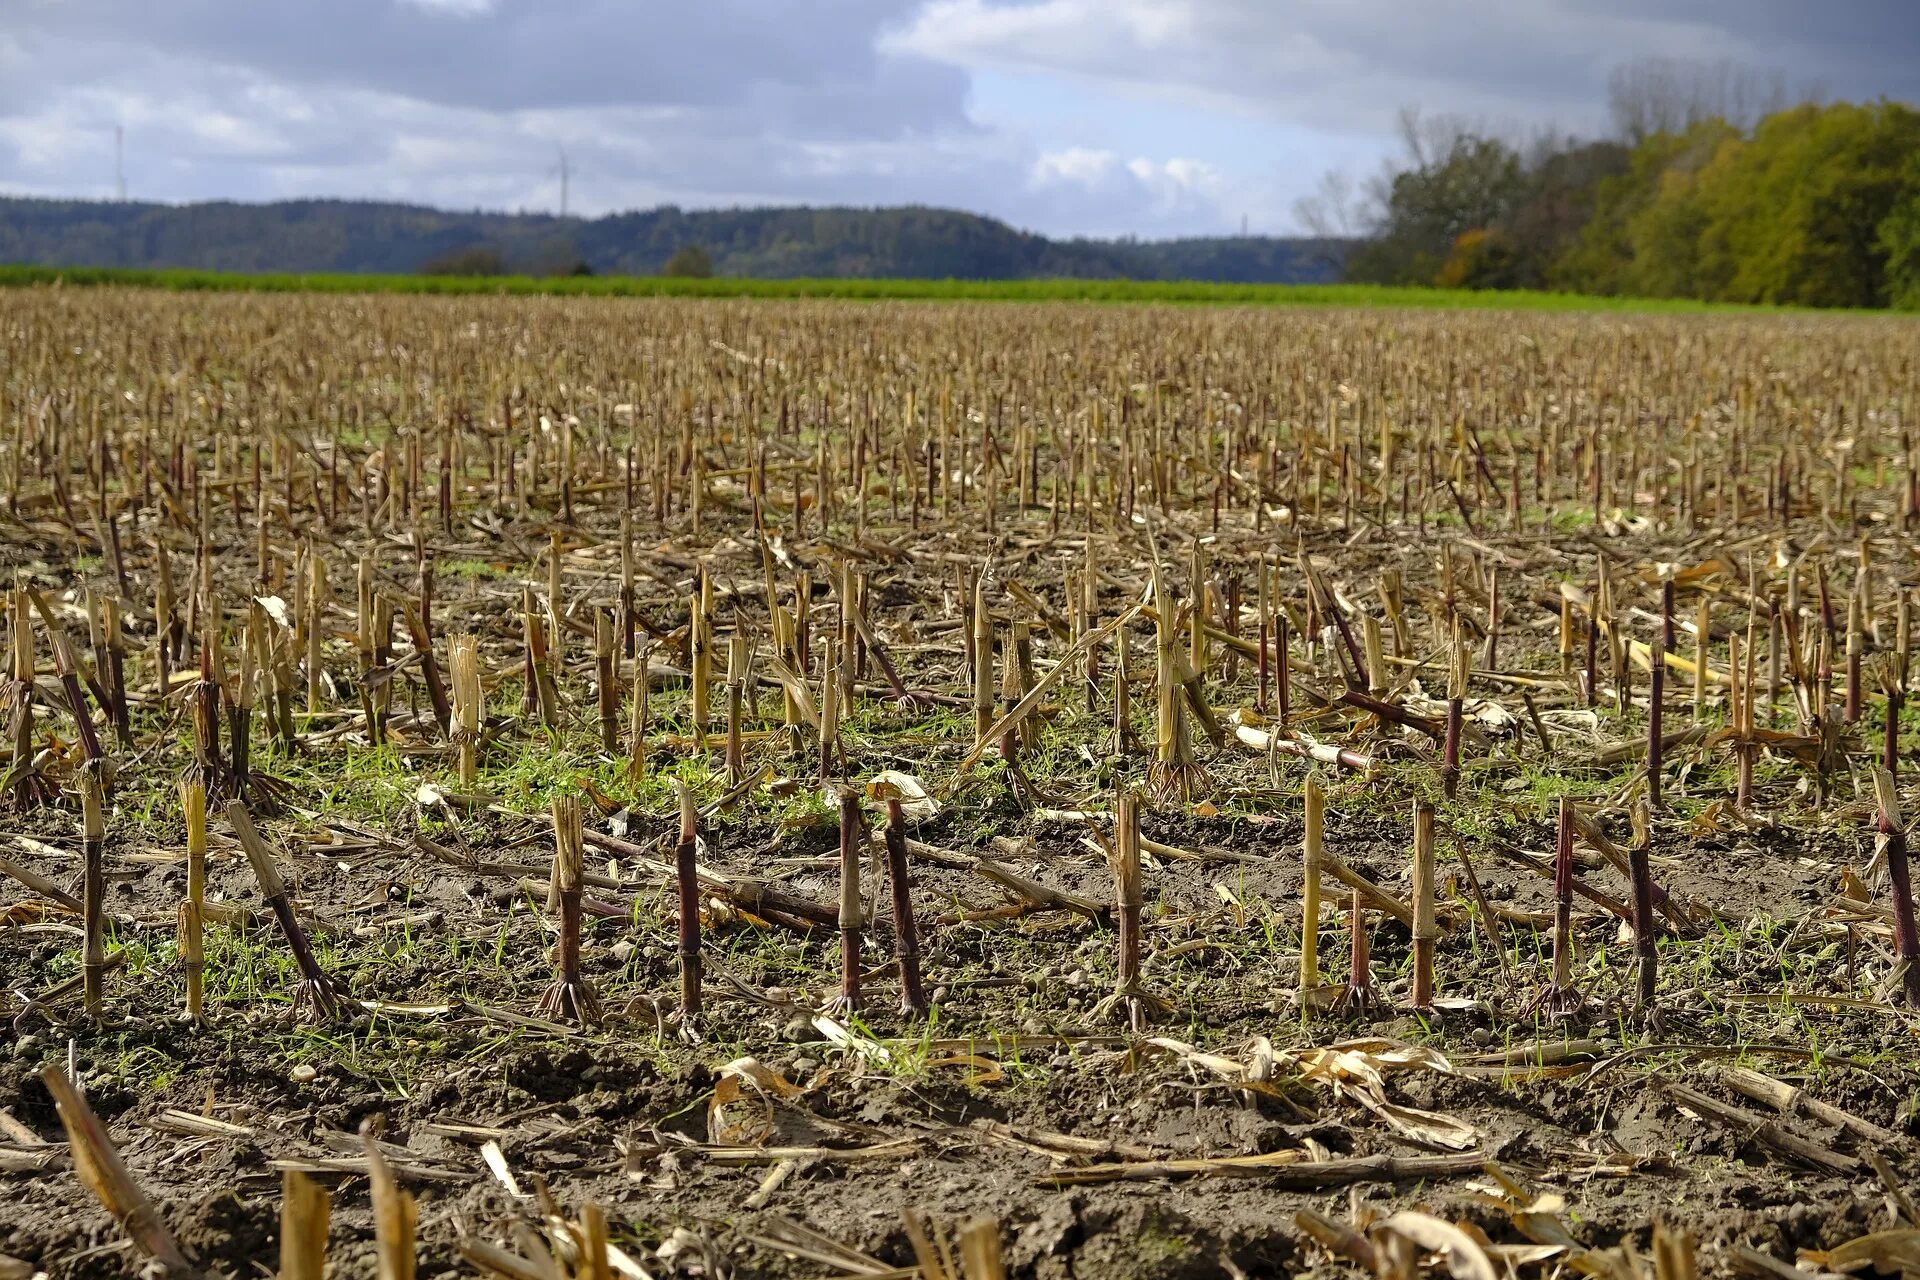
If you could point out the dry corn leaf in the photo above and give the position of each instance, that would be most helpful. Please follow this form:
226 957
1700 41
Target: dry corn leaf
1429 1127
1367 1061
276 609
741 1110
1514 1199
1544 1228
1489 714
1525 1255
1887 1252
1721 817
496 1161
915 803
736 1118
1252 1075
1687 575
1465 1258
1548 1231
983 1070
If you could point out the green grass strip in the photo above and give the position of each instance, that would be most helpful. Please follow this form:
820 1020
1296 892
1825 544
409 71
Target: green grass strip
1115 291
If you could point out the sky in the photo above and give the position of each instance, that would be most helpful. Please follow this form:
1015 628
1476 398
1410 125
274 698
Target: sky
1069 117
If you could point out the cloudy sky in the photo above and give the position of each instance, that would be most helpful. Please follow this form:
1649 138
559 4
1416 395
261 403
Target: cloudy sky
1103 117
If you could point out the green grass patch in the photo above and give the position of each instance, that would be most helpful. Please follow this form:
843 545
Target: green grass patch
1118 291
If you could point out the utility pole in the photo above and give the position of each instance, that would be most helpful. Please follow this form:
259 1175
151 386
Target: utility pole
119 163
563 182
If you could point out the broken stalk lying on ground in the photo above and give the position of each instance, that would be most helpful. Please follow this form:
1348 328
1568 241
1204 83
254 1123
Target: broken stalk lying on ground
105 1174
314 995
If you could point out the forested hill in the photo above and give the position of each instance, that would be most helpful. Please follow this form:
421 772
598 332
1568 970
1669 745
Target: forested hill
359 236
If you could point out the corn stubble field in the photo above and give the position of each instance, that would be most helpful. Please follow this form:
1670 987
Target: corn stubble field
571 788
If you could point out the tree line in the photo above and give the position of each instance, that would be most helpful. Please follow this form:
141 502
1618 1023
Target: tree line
364 236
1715 186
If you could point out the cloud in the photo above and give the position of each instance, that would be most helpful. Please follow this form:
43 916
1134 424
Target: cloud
1067 116
453 8
401 98
1082 166
506 55
1345 65
1105 194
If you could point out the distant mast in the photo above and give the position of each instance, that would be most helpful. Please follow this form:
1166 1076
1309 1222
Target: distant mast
119 163
564 173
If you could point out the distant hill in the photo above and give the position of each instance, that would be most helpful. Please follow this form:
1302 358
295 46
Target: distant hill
362 236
